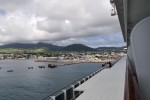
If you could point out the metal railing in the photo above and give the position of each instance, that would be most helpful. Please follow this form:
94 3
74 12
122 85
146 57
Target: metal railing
73 85
77 82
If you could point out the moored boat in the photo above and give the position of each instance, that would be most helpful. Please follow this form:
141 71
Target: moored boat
10 70
51 66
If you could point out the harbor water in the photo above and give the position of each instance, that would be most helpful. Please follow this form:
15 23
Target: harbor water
36 83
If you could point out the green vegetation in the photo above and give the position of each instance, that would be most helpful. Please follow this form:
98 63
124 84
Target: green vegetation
14 50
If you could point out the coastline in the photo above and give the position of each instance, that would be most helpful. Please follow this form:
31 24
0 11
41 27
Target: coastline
75 61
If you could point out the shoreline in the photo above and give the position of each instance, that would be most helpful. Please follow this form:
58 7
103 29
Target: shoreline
75 61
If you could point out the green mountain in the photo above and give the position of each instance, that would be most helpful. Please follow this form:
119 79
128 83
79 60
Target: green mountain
78 47
50 47
110 48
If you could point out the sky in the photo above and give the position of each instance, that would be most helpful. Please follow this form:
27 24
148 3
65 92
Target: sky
60 22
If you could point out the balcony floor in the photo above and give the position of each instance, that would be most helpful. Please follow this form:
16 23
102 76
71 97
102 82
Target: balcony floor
109 84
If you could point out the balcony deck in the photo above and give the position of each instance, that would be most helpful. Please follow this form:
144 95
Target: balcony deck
109 84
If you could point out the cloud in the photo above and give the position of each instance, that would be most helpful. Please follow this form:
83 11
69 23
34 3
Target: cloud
57 21
107 40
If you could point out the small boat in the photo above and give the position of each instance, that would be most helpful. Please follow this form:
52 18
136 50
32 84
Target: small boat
51 66
30 67
41 66
10 70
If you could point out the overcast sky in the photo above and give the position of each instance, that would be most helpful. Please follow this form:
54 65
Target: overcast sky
60 22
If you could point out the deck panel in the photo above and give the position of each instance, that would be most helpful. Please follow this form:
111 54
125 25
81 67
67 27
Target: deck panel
107 85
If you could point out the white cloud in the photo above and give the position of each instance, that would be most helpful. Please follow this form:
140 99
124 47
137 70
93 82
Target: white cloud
55 21
108 40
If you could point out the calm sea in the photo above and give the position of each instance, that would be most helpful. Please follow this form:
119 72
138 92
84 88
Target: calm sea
36 83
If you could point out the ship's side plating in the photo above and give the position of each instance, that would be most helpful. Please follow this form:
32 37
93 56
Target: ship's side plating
134 18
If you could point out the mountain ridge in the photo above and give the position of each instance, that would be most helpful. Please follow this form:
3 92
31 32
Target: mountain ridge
110 48
52 47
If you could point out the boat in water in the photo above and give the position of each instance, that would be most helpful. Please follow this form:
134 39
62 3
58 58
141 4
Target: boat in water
41 66
52 66
30 67
10 70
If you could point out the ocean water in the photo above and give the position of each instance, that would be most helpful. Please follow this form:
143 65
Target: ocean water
36 83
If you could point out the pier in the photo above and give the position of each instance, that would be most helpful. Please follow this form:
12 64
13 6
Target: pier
58 65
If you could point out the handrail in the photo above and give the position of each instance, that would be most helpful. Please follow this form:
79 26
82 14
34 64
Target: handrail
80 79
114 62
70 84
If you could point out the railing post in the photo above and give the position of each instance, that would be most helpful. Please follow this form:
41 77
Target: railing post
73 94
79 82
88 77
65 96
83 80
53 97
